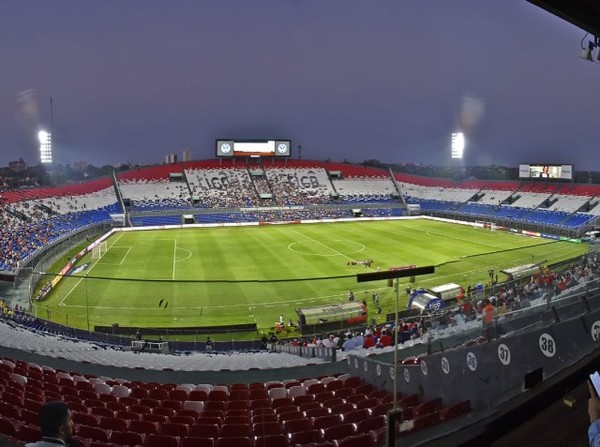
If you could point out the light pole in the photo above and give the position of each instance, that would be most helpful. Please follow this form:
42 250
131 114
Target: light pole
394 274
87 304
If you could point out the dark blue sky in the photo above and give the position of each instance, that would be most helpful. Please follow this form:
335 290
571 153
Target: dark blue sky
347 79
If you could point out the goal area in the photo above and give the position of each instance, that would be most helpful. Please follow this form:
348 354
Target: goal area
99 250
487 225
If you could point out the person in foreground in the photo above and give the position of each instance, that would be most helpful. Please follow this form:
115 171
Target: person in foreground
56 426
594 413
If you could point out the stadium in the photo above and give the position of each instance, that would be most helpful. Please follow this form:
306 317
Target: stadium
261 299
138 269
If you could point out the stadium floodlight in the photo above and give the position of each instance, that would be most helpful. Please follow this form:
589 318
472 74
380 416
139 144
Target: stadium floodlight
458 144
45 139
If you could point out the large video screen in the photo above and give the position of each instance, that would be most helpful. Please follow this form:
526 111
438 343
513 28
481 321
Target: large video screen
253 148
541 171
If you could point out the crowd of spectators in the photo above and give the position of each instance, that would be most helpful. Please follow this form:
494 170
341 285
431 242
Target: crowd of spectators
222 188
21 236
28 226
300 186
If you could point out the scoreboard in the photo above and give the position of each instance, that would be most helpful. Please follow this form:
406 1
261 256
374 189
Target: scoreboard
253 148
564 172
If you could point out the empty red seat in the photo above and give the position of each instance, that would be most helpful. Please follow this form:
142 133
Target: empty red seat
237 419
113 424
127 415
266 428
258 393
238 405
169 412
187 420
303 437
296 425
95 433
205 430
7 427
326 421
316 412
200 395
9 410
127 438
282 402
172 404
234 442
344 393
219 405
455 410
195 441
144 427
140 409
360 440
29 417
159 418
429 406
115 406
28 433
342 408
213 413
426 421
316 388
217 395
356 415
158 394
173 429
270 441
338 431
239 394
84 418
161 441
235 430
371 423
381 409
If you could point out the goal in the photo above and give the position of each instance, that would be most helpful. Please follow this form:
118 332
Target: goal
99 250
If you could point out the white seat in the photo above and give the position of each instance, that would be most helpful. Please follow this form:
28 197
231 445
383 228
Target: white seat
120 391
102 388
297 390
194 405
276 393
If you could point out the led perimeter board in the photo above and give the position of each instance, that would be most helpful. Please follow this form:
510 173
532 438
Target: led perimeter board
253 148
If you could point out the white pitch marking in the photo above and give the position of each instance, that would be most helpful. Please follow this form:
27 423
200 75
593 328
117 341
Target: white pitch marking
61 302
186 258
328 247
174 257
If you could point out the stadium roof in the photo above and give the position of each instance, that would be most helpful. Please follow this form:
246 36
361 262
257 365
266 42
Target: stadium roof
582 13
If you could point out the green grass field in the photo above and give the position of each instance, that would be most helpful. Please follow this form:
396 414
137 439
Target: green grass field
218 276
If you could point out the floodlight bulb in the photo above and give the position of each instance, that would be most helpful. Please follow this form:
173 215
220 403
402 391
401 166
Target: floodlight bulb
458 141
43 136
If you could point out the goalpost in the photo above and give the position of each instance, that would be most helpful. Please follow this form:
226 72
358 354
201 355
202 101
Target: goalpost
99 250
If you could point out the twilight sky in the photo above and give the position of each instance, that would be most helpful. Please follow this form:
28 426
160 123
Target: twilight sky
346 79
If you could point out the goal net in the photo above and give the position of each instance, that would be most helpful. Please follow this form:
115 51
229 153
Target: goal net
99 250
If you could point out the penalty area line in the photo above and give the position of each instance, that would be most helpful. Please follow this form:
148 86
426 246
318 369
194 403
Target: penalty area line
62 302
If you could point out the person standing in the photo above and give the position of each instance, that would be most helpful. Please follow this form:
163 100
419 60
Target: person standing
56 426
488 319
594 414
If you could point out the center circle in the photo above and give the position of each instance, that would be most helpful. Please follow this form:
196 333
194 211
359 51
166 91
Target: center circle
335 247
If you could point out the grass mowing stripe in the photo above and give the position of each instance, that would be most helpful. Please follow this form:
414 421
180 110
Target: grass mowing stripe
243 274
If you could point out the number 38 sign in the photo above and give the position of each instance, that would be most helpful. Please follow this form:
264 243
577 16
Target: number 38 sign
547 345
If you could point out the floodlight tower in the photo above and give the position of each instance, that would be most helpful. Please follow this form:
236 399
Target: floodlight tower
45 139
458 144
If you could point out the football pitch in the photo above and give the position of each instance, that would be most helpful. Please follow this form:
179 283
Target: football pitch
233 275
